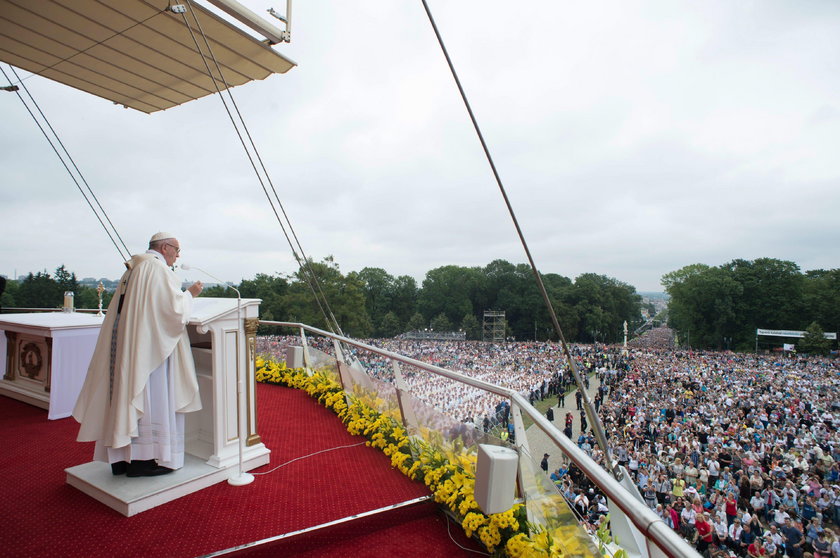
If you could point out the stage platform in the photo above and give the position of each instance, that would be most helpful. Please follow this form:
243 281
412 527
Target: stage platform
130 496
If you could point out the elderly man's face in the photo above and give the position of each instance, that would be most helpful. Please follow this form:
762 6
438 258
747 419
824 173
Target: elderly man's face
171 249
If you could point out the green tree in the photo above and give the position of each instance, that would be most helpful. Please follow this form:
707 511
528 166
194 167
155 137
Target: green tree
390 325
378 288
337 296
448 290
771 296
271 289
603 305
88 297
217 291
9 297
703 305
404 297
821 298
814 341
723 306
561 292
66 280
416 323
39 291
682 311
471 327
441 323
514 290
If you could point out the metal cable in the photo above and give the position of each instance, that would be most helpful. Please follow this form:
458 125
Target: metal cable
124 253
591 413
306 261
307 278
58 139
308 273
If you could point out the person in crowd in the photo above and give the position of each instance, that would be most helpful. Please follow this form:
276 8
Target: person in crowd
794 539
821 546
773 542
746 540
735 531
705 532
721 529
756 549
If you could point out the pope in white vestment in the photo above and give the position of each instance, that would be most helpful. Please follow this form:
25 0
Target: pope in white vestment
141 379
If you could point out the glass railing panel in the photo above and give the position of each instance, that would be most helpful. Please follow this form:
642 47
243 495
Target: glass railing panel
548 507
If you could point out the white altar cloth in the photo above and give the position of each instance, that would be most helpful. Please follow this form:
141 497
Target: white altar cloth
73 337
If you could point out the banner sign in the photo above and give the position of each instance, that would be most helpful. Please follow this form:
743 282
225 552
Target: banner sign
790 333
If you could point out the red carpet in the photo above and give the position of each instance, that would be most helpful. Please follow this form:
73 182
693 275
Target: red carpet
42 516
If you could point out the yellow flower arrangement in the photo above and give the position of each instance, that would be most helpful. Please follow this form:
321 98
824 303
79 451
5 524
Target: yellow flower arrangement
490 536
472 522
519 546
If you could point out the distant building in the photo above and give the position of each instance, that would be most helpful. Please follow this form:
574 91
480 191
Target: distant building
109 284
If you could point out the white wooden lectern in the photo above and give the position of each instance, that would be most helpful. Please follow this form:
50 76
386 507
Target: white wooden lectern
220 342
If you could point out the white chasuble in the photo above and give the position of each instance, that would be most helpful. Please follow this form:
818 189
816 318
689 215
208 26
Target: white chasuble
153 379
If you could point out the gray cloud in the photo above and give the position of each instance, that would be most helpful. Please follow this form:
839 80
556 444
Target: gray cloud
633 139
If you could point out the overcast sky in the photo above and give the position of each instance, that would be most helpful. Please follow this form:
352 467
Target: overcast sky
633 138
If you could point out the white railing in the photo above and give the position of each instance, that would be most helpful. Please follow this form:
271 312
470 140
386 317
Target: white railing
659 539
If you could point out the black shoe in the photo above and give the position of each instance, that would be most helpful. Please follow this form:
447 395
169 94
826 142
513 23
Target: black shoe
148 468
119 468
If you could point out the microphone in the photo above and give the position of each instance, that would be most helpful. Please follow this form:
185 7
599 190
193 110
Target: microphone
188 267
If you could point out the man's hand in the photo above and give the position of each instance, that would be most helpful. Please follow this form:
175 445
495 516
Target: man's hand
196 288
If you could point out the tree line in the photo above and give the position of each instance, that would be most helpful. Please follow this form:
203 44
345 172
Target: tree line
42 290
722 306
717 307
374 303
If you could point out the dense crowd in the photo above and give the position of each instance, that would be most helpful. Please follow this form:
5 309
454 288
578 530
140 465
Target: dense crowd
740 453
536 370
656 338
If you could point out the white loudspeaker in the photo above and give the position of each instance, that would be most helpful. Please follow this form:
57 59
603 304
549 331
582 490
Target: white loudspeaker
294 357
495 478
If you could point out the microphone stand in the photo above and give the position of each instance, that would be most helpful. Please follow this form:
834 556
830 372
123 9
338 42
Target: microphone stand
241 478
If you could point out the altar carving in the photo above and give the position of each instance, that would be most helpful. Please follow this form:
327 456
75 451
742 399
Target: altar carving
31 362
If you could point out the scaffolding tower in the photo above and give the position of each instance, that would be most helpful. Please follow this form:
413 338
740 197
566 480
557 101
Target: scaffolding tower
494 326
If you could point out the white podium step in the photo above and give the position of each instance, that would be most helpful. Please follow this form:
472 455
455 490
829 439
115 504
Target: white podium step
130 496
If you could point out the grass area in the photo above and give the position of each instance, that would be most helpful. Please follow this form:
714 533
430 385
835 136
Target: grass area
542 406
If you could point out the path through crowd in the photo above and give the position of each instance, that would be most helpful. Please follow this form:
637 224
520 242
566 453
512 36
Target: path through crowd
540 444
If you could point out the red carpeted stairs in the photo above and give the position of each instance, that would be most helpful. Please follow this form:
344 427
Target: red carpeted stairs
41 516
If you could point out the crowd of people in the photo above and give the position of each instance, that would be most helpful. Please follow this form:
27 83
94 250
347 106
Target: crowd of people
740 453
746 444
537 370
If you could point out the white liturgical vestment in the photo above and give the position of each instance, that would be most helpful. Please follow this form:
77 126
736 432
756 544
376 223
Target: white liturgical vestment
142 371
